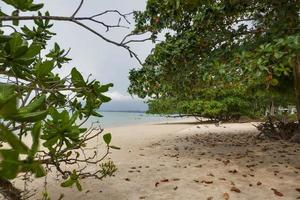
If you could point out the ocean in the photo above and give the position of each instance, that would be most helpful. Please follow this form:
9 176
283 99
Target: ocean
115 119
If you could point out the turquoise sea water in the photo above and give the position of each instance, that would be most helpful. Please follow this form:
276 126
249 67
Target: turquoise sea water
114 119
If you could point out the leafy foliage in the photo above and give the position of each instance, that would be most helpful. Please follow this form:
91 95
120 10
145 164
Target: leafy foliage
37 102
249 49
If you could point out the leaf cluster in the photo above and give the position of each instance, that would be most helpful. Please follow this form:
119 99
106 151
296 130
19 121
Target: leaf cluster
36 101
218 46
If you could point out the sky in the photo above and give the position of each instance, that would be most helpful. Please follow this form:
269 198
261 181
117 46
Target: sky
92 55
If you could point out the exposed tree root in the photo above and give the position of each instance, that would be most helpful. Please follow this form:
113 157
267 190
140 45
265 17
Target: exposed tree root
8 190
279 130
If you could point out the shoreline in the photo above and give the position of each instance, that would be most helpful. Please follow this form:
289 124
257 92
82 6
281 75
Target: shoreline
154 122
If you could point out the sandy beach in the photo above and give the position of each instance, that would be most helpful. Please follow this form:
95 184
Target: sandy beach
186 161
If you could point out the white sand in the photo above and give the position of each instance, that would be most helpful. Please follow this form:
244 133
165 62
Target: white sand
192 162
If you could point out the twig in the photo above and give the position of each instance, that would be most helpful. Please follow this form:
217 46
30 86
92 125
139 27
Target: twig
8 26
78 8
77 20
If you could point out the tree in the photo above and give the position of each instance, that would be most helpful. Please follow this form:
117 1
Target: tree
37 103
252 46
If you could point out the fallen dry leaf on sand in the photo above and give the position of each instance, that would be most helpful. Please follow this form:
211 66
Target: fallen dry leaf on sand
258 183
226 196
235 189
226 162
161 181
276 192
206 182
209 198
233 171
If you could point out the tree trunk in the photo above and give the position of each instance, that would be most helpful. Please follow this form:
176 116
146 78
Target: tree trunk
272 108
8 190
296 137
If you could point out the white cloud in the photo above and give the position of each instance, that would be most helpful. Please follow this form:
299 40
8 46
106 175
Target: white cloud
92 55
117 96
123 102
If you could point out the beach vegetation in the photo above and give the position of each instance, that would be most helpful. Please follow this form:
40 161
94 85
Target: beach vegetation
220 59
45 104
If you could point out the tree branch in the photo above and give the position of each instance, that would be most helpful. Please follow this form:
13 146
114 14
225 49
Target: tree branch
124 16
78 8
77 20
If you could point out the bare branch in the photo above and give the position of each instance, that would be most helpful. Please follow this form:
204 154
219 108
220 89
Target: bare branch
78 8
8 26
135 41
124 16
108 26
77 20
129 35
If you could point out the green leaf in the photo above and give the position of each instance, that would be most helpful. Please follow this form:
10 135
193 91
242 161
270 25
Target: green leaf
20 51
35 105
35 7
13 140
24 5
79 187
73 118
53 112
43 69
107 138
33 50
274 82
35 134
104 99
72 179
15 13
77 78
6 90
15 42
29 117
8 100
9 165
105 88
96 114
38 170
4 38
68 183
9 108
49 143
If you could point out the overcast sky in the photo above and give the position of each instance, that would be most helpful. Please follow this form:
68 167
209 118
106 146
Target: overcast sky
92 55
